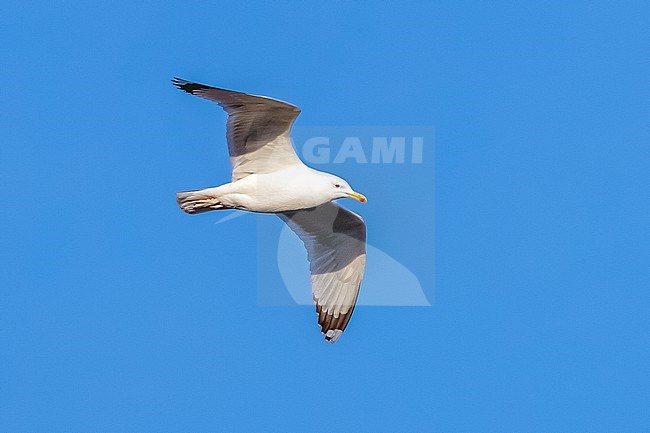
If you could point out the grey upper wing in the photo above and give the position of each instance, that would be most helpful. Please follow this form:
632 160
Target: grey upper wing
258 128
335 239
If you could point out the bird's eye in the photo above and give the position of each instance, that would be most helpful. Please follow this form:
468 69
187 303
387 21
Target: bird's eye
337 185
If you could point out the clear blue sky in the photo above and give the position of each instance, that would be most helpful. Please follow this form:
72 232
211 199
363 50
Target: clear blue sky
120 313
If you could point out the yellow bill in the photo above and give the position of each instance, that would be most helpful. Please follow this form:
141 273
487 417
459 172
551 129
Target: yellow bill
359 197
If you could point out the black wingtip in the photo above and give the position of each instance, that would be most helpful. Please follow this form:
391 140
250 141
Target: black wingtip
178 81
187 86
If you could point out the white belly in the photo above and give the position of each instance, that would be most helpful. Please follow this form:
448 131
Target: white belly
284 190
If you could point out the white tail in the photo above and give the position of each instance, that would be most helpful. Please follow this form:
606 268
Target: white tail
198 201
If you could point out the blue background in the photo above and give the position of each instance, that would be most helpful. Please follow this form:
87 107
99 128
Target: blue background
120 313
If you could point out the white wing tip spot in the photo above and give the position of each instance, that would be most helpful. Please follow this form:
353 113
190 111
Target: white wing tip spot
332 335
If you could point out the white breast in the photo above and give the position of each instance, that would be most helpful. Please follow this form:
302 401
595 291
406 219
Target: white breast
297 187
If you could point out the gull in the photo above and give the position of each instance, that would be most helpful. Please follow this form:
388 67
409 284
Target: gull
268 177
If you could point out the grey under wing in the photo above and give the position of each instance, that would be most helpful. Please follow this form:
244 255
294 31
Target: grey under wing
335 239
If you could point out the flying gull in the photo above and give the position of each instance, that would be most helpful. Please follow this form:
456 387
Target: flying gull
268 177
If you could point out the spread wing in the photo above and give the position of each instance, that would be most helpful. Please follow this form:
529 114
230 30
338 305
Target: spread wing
257 130
335 239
